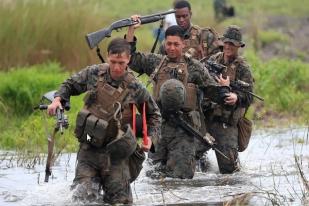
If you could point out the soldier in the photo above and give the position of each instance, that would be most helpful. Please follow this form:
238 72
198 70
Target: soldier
200 43
222 121
176 150
109 156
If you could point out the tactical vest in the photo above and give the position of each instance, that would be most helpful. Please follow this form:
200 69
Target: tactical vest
168 70
228 115
107 96
202 43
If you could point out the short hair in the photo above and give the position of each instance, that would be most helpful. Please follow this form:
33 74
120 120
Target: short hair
174 30
118 46
182 4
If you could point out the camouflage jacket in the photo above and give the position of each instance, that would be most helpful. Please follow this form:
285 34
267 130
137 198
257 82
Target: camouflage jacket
237 69
147 63
200 43
86 80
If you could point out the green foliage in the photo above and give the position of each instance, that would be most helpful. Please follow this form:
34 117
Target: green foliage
284 85
33 32
267 37
21 89
22 127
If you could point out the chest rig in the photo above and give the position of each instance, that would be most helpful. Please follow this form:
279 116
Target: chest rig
175 70
103 106
224 113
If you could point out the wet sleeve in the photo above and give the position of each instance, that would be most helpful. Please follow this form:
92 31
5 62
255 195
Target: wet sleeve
200 75
76 84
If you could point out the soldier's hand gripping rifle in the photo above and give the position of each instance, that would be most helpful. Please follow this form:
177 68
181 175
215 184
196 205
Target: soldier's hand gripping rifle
93 39
208 140
216 69
61 124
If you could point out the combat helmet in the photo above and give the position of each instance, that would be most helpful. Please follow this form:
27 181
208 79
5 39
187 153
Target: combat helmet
172 96
233 34
123 145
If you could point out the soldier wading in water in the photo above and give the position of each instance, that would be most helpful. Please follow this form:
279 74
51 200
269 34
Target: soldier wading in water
176 82
109 157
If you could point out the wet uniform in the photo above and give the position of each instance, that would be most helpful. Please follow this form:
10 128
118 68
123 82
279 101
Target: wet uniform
222 121
176 149
105 120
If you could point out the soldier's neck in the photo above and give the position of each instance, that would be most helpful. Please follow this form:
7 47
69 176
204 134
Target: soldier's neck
229 59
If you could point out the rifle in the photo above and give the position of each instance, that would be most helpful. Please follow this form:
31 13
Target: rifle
61 124
93 39
216 69
207 139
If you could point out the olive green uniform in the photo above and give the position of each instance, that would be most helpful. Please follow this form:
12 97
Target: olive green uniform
176 150
221 121
101 164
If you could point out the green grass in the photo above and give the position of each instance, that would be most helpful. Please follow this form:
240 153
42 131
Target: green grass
284 85
33 32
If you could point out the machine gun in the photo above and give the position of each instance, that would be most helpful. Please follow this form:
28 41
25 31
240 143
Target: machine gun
216 69
207 139
93 39
61 124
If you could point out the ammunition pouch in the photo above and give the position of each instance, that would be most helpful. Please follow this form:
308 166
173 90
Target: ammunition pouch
91 129
123 146
136 163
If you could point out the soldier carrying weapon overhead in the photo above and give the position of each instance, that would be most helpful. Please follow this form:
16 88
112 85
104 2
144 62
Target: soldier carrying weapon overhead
175 152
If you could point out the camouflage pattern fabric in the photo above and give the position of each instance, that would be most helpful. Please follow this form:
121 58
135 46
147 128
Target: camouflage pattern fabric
200 43
176 149
226 132
95 168
175 152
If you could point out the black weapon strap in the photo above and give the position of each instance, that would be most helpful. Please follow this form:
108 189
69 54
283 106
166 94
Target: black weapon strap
157 38
99 54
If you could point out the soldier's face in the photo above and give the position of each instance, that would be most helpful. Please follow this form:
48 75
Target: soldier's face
183 17
118 64
173 47
230 50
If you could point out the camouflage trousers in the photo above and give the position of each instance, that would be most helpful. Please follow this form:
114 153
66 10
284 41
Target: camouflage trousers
95 170
226 137
175 151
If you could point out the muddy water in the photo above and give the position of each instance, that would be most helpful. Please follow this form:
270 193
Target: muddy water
269 175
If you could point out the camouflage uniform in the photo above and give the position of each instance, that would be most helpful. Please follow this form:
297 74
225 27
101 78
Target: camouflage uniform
176 149
200 43
97 165
222 121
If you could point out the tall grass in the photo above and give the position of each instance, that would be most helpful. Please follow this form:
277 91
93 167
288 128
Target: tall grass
36 31
20 91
